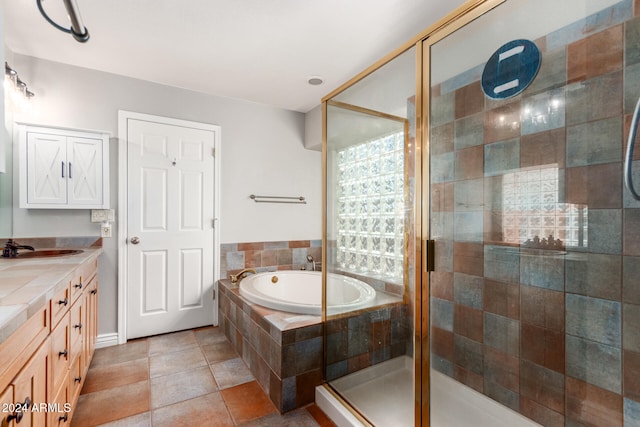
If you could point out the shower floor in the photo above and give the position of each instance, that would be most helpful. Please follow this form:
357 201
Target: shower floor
372 391
375 390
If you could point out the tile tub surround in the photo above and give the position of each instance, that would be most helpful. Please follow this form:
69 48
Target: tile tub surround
27 284
549 334
285 350
268 256
282 350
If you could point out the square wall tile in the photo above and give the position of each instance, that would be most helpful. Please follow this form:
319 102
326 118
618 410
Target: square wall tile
630 274
469 100
502 333
468 258
594 363
605 231
544 347
594 319
468 322
467 290
588 404
543 148
469 163
595 55
631 327
501 157
631 235
502 123
631 375
502 368
594 99
594 142
543 386
502 298
543 308
502 263
543 111
468 354
441 139
594 275
542 271
469 131
631 413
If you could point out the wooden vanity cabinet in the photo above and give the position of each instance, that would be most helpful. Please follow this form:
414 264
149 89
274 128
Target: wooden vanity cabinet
48 367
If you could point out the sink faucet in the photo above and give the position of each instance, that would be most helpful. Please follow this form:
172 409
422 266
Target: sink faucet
235 278
11 249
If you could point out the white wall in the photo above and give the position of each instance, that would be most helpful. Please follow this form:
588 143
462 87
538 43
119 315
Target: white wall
262 153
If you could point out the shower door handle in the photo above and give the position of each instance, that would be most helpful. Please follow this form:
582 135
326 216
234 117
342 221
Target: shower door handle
628 159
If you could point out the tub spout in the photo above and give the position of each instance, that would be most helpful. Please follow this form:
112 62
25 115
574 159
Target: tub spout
313 263
235 278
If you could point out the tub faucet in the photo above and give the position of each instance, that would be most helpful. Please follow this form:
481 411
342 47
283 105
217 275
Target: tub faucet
11 249
235 278
313 263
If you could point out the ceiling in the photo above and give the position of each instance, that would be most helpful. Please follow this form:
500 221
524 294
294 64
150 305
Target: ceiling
262 51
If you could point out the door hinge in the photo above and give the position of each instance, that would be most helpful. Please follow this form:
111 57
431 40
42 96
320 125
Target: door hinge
213 222
428 255
213 151
214 294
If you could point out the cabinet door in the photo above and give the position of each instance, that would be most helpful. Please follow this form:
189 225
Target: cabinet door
6 400
30 388
85 171
59 355
91 331
46 169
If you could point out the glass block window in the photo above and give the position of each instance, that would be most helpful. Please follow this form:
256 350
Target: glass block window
533 215
370 208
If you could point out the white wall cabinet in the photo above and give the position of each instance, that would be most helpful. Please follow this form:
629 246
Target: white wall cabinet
63 168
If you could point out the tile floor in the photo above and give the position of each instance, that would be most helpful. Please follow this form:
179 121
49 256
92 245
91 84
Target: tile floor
189 378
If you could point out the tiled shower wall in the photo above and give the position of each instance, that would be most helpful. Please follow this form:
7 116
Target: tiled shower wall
553 335
268 256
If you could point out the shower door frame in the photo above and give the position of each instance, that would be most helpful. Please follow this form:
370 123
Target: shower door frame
455 20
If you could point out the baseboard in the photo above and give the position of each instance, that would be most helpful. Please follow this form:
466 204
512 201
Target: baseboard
107 340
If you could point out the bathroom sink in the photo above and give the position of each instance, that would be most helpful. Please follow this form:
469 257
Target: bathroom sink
48 253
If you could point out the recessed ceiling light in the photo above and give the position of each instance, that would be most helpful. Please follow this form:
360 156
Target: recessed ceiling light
315 80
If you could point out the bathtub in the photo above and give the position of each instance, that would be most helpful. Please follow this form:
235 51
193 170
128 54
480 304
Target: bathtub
301 291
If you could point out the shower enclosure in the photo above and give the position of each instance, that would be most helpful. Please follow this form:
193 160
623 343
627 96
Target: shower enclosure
504 244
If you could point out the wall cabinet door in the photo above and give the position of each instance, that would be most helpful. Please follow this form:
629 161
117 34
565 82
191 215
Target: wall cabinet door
46 169
84 157
63 168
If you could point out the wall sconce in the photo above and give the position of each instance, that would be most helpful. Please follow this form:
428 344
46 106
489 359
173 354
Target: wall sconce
17 83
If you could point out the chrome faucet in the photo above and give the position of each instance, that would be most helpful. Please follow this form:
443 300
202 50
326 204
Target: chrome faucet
313 263
235 278
11 249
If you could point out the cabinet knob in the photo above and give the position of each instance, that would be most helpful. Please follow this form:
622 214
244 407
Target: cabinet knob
63 418
63 301
78 326
77 379
62 353
78 285
20 410
94 291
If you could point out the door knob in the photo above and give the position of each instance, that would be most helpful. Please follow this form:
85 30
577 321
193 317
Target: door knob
134 240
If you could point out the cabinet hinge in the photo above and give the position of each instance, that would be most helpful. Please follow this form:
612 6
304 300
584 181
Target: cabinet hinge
214 294
213 151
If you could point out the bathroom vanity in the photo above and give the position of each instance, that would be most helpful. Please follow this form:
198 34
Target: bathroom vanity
48 330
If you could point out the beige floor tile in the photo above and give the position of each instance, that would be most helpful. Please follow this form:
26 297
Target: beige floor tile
170 389
103 377
132 350
177 361
211 335
167 343
231 373
208 410
219 352
113 404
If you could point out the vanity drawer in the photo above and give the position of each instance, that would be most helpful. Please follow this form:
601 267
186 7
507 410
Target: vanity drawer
60 304
82 277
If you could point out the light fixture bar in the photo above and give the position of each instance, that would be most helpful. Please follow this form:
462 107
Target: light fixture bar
17 82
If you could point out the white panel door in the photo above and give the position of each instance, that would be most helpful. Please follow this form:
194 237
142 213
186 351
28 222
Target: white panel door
84 157
47 169
170 228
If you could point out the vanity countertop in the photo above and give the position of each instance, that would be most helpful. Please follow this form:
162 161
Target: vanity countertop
26 285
